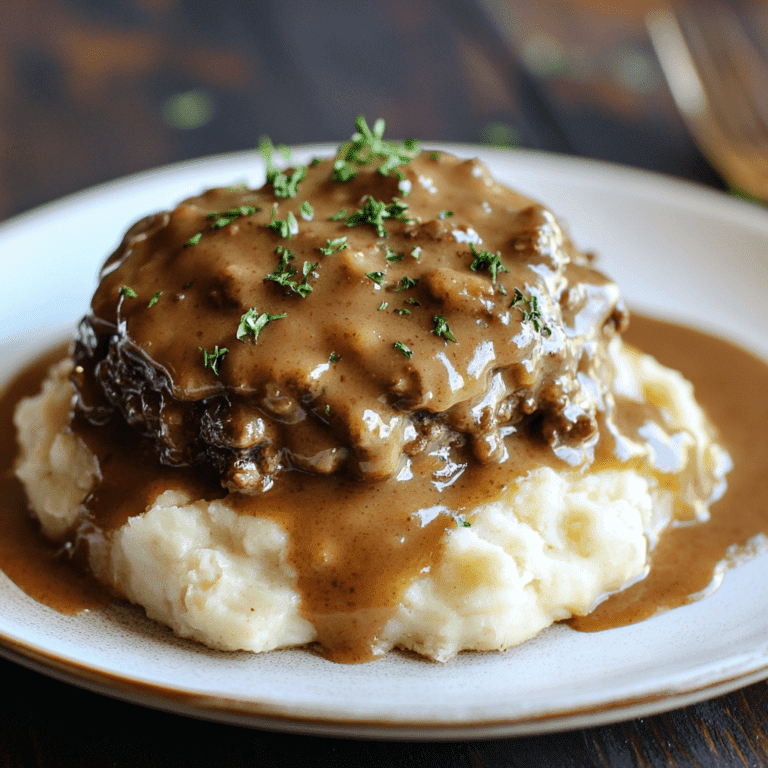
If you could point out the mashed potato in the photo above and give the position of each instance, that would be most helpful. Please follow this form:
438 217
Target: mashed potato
381 401
552 546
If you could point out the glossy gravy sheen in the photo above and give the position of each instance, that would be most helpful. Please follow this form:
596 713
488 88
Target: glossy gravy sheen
355 546
682 564
730 384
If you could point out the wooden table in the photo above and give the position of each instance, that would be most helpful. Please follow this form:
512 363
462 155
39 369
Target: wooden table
90 92
48 723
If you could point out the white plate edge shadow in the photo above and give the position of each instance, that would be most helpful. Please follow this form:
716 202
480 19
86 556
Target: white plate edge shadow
753 665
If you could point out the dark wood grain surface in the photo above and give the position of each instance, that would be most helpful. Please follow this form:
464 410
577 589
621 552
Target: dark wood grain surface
93 90
44 722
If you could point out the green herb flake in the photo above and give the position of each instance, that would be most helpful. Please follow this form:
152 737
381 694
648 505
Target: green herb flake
435 155
334 358
393 256
485 260
213 359
403 348
284 272
416 252
375 211
413 302
402 311
383 306
286 227
128 292
304 288
367 144
222 219
377 277
334 246
252 323
406 283
307 212
462 521
283 184
342 171
444 214
532 314
442 329
154 299
194 240
339 215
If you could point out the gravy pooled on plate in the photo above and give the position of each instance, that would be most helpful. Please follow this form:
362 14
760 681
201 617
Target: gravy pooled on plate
381 401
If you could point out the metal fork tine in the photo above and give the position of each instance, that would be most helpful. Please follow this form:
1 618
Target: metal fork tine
731 68
719 81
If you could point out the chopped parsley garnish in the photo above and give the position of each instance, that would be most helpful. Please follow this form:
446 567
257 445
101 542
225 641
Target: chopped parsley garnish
416 252
413 302
486 260
435 155
342 171
375 211
444 214
402 311
252 323
383 306
213 359
339 215
377 277
154 299
283 274
227 217
403 348
304 288
334 358
406 283
128 292
462 521
394 256
288 186
334 246
307 212
283 184
533 313
368 144
441 329
286 227
194 240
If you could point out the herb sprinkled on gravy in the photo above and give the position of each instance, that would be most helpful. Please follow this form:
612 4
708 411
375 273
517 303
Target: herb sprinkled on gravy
382 401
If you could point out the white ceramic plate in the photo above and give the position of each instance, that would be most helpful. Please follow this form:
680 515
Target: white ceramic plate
665 242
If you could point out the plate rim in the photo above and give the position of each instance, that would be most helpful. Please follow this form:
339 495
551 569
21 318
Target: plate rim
249 713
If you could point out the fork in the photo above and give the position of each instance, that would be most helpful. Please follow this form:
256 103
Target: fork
719 81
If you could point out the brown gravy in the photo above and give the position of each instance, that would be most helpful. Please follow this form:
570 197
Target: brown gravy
732 391
731 386
29 560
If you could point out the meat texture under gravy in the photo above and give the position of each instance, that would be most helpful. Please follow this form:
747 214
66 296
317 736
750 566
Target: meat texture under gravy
430 309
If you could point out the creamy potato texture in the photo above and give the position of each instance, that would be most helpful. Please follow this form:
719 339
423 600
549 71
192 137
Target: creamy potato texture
551 547
382 401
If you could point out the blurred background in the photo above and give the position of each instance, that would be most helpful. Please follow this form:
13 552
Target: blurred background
91 90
